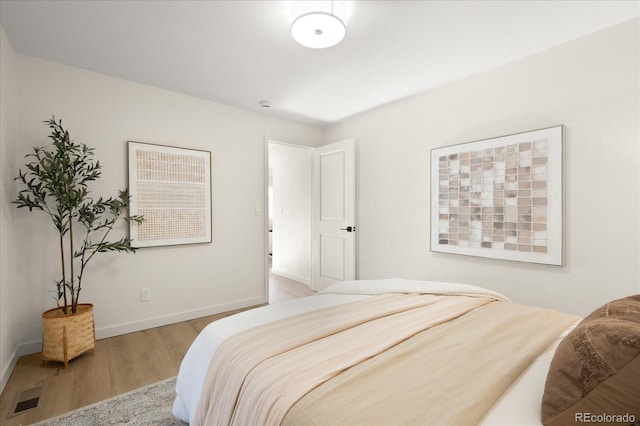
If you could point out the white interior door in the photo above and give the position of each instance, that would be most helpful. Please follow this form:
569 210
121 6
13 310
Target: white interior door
334 257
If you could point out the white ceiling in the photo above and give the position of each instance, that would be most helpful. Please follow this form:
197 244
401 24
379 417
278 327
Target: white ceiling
241 52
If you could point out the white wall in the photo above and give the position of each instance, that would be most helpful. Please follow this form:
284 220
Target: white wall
589 85
10 304
291 168
185 281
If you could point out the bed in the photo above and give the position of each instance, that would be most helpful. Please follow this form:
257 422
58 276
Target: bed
377 352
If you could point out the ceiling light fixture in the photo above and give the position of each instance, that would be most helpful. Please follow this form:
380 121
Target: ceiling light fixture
317 23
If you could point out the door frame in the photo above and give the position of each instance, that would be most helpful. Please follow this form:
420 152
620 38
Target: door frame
265 209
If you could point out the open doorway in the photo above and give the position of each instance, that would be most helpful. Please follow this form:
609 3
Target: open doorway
289 217
312 214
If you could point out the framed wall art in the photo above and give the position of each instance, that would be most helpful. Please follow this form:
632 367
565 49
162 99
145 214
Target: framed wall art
171 188
500 198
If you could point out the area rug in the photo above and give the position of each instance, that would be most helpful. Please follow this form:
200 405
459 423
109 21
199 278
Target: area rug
150 405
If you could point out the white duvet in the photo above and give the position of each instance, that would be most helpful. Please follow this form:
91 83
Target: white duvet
520 405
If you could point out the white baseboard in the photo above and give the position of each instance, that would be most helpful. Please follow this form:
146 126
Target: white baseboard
8 369
117 330
22 349
293 277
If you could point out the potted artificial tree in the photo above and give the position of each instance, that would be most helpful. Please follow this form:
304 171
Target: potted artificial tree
55 181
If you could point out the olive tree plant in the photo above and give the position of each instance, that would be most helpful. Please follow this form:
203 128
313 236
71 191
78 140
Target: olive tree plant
55 181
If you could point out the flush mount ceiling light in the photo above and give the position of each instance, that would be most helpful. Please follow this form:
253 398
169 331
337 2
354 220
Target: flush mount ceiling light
317 24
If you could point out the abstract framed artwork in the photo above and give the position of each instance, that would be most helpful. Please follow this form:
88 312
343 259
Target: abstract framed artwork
500 198
171 188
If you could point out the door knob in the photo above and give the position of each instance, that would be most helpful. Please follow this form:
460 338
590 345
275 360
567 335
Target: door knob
349 229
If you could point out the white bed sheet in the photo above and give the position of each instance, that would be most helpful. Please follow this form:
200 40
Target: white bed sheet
519 406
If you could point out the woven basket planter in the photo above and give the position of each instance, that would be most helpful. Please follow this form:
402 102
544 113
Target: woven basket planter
64 337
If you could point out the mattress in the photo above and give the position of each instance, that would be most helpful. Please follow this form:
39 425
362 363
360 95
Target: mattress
520 404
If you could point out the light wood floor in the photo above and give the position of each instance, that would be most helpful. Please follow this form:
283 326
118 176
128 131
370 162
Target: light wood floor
120 364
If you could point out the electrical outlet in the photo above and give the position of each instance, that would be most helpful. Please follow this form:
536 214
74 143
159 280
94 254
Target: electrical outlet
145 294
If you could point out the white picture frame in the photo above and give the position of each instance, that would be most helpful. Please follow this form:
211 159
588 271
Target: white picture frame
170 188
500 198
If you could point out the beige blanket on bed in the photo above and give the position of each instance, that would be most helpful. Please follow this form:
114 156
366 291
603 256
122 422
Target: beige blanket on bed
448 375
256 376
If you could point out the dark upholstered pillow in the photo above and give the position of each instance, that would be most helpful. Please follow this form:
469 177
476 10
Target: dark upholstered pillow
595 373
